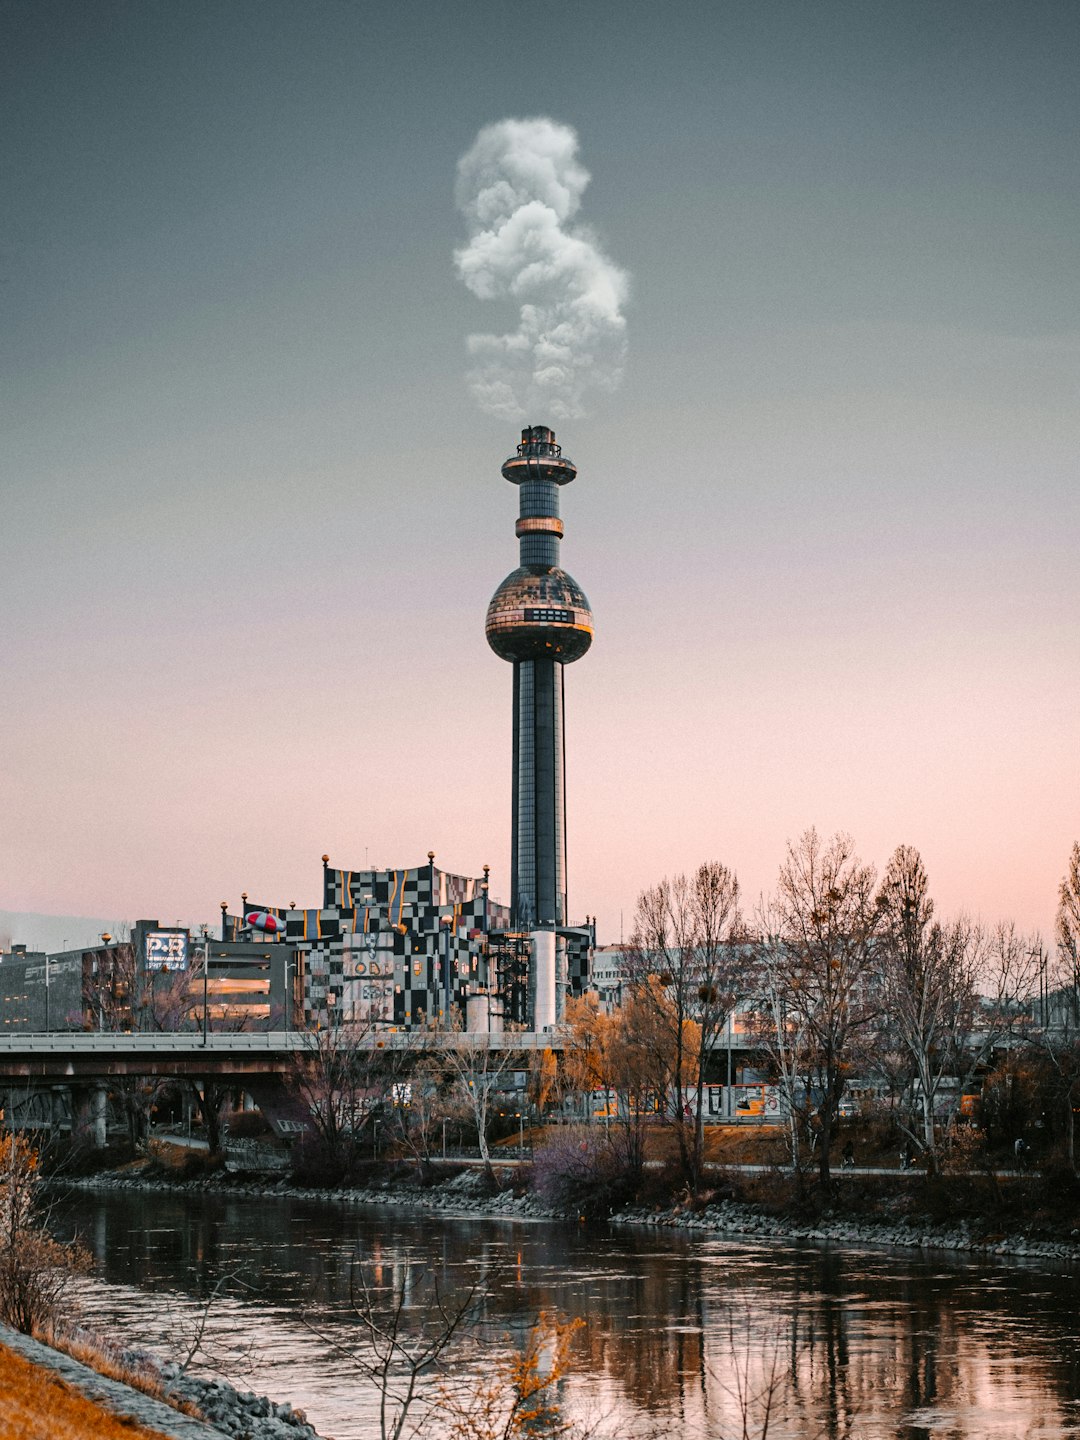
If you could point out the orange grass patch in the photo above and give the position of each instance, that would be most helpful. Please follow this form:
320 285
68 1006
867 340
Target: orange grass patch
106 1361
35 1404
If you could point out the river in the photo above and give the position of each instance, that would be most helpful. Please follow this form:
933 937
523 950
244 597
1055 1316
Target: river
852 1343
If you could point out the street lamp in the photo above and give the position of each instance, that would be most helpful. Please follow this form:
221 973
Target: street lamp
106 940
205 977
446 924
288 996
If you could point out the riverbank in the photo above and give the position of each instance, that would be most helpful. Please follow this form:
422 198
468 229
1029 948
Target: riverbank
101 1405
467 1195
729 1217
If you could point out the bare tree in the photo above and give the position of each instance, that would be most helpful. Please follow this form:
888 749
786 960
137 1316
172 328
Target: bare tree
1067 927
345 1081
478 1072
825 969
398 1357
1057 1037
426 1099
685 965
928 983
411 1332
996 971
779 1028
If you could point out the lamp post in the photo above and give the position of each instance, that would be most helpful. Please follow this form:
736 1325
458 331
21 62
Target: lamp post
447 924
288 988
205 986
106 940
288 996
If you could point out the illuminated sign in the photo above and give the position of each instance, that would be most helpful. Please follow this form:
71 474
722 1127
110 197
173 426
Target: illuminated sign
166 950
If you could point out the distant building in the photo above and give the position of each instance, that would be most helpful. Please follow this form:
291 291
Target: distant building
408 948
66 991
404 948
608 975
152 981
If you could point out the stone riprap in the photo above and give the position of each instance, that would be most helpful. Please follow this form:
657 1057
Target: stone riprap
461 1196
227 1412
729 1217
239 1414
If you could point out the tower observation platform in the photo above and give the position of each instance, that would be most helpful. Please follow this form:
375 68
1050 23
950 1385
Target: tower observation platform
539 620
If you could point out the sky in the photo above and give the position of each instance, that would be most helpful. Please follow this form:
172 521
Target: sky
251 517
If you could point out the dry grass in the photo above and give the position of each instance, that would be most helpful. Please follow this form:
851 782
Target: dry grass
35 1404
107 1361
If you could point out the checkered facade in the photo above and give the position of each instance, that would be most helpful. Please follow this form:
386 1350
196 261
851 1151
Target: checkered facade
388 945
384 944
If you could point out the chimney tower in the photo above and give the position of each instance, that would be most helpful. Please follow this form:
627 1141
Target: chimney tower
539 619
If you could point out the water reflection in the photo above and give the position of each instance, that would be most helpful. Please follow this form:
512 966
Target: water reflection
677 1334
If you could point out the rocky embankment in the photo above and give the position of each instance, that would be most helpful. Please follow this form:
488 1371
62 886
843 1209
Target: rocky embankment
467 1195
238 1413
729 1217
211 1410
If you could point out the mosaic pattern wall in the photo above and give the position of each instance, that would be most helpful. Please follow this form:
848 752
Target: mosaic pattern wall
389 946
394 946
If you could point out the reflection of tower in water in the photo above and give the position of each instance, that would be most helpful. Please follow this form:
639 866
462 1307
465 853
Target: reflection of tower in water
539 619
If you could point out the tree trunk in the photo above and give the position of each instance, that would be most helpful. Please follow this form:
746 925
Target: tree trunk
698 1163
928 1129
825 1140
209 1099
1070 1128
481 1118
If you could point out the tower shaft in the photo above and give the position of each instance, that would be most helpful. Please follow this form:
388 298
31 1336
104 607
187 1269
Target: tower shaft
539 619
538 846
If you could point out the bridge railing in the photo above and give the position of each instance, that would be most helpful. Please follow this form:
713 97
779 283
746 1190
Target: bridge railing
75 1042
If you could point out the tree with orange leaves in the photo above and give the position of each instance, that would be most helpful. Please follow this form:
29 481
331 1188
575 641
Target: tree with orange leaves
521 1401
35 1269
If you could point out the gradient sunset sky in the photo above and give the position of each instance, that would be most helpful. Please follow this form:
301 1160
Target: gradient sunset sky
250 518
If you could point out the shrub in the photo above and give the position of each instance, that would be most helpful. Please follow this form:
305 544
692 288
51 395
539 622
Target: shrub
35 1269
581 1170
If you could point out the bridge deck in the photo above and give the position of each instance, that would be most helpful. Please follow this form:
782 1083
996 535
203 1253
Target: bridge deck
77 1054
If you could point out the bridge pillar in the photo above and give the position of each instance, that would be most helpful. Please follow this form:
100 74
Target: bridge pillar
59 1108
99 1099
89 1115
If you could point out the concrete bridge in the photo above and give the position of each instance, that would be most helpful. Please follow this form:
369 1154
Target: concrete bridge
69 1072
77 1055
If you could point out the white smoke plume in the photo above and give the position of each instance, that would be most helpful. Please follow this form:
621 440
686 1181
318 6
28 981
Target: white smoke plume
518 187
